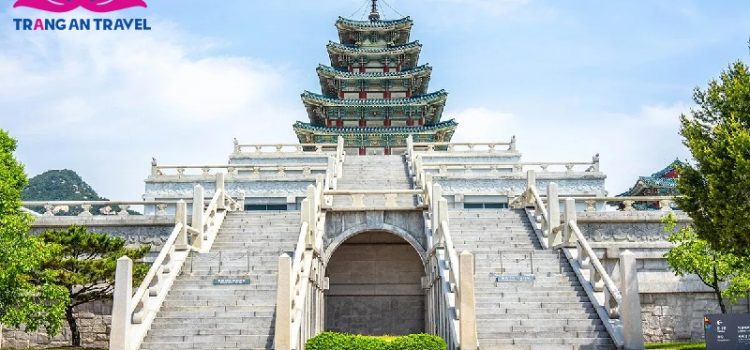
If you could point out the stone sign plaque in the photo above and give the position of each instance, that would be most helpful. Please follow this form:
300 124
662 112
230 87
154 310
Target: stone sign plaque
227 281
514 278
727 332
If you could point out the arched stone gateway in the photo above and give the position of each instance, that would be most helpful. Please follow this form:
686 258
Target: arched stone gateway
375 285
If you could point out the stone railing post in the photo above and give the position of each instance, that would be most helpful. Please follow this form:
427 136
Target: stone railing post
570 215
283 330
553 209
221 189
630 308
121 316
198 200
437 194
467 307
181 218
513 147
530 179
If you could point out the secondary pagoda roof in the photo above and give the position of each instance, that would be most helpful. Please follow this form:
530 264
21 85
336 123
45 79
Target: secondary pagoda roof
327 71
450 124
412 47
384 25
311 98
662 182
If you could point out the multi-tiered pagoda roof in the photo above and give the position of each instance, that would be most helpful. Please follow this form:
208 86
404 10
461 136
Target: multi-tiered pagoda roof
374 93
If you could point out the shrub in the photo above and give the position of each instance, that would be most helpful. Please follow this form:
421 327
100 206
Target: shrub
339 341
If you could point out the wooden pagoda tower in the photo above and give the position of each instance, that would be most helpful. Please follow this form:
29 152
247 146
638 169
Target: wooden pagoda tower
374 93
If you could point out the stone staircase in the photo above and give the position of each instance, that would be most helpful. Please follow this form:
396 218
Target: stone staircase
552 312
375 173
200 315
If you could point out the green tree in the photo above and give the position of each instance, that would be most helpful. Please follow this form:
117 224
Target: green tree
716 190
85 266
29 297
726 274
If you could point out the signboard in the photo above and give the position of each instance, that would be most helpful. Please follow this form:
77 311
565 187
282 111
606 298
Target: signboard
231 281
514 278
727 332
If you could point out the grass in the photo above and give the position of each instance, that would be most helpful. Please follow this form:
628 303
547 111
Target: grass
677 346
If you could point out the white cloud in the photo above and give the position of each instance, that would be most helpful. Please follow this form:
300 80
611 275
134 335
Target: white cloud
102 103
630 145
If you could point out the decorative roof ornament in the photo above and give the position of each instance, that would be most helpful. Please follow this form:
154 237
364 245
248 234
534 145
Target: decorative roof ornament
374 14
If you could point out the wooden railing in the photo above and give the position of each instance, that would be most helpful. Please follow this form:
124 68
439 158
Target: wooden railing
450 285
616 304
132 314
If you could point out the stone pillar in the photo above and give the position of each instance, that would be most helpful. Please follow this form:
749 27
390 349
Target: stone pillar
437 194
121 317
630 308
283 330
181 218
468 318
198 200
553 209
530 179
221 192
570 215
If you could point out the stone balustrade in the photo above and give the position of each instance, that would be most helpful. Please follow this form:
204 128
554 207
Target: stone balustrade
91 208
663 203
490 147
494 168
617 302
191 172
283 148
133 313
373 200
450 286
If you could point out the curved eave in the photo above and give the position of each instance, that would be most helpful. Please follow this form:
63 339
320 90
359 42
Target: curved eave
301 127
414 47
329 72
385 25
313 99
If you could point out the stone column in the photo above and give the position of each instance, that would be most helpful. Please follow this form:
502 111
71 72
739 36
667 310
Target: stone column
220 191
121 317
570 215
553 209
530 179
198 199
630 308
437 194
468 318
181 218
283 330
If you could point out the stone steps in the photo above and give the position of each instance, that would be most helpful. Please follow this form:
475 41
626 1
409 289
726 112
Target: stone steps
551 312
200 315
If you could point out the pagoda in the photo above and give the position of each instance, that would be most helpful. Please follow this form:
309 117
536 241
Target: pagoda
374 94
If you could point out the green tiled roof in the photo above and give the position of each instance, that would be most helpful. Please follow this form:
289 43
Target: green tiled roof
308 96
373 75
334 46
375 24
377 130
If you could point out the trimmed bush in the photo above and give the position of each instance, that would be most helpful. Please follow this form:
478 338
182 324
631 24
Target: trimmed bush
339 341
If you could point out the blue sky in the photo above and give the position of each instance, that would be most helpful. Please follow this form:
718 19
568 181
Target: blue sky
569 78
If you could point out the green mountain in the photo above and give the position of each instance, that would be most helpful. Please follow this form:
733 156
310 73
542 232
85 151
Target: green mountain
59 185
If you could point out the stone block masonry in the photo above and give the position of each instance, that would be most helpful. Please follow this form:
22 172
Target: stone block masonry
94 321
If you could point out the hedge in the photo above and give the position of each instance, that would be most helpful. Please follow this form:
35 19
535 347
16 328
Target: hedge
340 341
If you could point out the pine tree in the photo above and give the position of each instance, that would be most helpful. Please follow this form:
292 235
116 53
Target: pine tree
85 266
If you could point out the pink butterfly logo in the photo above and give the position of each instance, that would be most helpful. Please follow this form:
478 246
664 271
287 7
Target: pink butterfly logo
70 5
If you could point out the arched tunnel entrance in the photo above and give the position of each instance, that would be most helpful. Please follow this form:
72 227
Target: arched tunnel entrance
375 286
